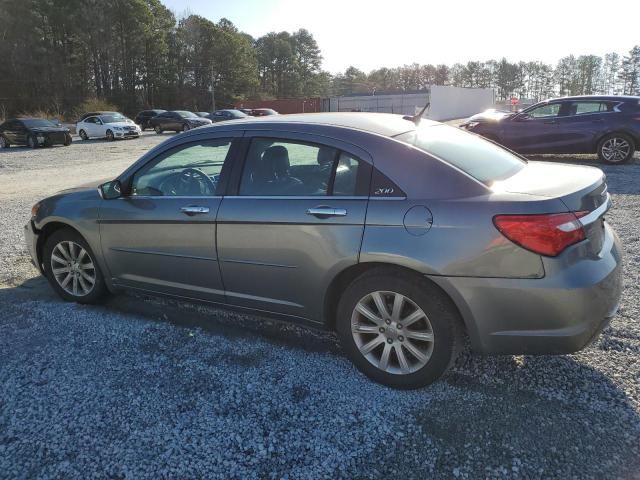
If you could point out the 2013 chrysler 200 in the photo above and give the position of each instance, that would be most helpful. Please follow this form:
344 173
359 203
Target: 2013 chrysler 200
402 237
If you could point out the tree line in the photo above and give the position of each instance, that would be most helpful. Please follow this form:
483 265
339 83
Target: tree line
134 54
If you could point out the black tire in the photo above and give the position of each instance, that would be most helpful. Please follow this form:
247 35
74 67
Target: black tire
32 142
4 143
67 140
441 314
157 129
83 135
186 127
99 291
110 136
612 150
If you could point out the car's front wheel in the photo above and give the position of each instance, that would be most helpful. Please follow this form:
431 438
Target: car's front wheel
83 135
32 142
616 148
398 330
186 127
71 268
157 129
110 135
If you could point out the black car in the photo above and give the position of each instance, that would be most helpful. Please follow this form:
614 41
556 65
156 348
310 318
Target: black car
263 112
227 114
142 118
177 120
606 125
33 132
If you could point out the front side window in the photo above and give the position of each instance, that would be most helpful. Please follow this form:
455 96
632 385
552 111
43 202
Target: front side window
189 171
290 168
548 110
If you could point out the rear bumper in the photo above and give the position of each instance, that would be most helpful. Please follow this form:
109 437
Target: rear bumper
560 313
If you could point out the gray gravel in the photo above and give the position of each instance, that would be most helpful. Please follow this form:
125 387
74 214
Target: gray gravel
150 388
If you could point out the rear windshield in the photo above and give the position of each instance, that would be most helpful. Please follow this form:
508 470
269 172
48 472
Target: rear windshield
38 122
483 160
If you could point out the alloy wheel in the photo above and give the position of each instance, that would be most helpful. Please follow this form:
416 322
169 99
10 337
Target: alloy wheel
73 268
3 142
109 135
83 135
615 149
392 332
31 142
185 127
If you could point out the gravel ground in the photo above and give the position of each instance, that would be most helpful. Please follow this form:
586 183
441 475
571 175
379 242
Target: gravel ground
150 388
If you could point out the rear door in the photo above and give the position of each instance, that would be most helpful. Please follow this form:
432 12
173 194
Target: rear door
293 218
161 236
584 122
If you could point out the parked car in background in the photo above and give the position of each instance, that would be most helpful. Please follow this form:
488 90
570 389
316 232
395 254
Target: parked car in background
404 238
226 114
107 126
116 115
33 132
606 125
142 118
202 114
263 112
178 121
246 111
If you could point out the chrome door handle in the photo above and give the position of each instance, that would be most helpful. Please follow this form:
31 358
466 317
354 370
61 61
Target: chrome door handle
194 210
325 212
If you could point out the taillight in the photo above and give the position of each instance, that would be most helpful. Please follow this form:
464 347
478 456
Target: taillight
546 234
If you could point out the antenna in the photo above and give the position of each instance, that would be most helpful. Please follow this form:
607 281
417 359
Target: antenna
418 116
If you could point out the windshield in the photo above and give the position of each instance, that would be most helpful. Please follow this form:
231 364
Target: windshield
38 122
185 114
483 160
116 117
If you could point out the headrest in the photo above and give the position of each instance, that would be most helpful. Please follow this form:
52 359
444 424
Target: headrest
277 157
326 156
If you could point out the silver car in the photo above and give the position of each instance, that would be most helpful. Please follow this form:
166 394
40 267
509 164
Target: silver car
403 238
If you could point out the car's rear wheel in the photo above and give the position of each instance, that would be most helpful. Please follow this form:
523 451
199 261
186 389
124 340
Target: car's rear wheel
110 136
71 268
157 129
3 142
67 140
398 330
83 135
31 142
616 148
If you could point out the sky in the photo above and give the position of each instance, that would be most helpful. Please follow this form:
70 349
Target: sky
373 34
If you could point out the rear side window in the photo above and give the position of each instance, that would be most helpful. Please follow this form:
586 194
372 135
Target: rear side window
580 108
277 167
483 160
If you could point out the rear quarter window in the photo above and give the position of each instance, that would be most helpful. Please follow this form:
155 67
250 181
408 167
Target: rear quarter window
483 160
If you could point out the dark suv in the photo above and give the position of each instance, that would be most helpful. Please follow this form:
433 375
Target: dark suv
606 125
142 118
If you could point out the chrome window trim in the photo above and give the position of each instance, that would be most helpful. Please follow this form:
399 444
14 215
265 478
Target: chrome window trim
299 197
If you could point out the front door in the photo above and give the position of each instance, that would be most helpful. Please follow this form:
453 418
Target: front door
161 236
295 219
534 131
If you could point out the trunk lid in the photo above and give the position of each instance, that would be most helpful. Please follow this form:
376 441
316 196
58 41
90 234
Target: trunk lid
580 188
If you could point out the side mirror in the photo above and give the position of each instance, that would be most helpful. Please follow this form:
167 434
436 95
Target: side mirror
110 190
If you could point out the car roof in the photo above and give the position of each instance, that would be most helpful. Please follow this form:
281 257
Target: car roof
386 124
613 98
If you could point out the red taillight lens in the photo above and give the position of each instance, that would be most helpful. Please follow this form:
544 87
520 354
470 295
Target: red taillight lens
546 234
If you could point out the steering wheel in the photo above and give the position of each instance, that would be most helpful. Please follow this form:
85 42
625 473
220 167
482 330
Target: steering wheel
187 181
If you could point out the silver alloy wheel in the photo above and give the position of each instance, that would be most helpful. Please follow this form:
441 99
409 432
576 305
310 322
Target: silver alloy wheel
83 135
3 142
109 135
157 129
31 142
615 149
73 268
186 127
392 332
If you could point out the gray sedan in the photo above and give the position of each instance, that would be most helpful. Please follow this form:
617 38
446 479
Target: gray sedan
403 236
